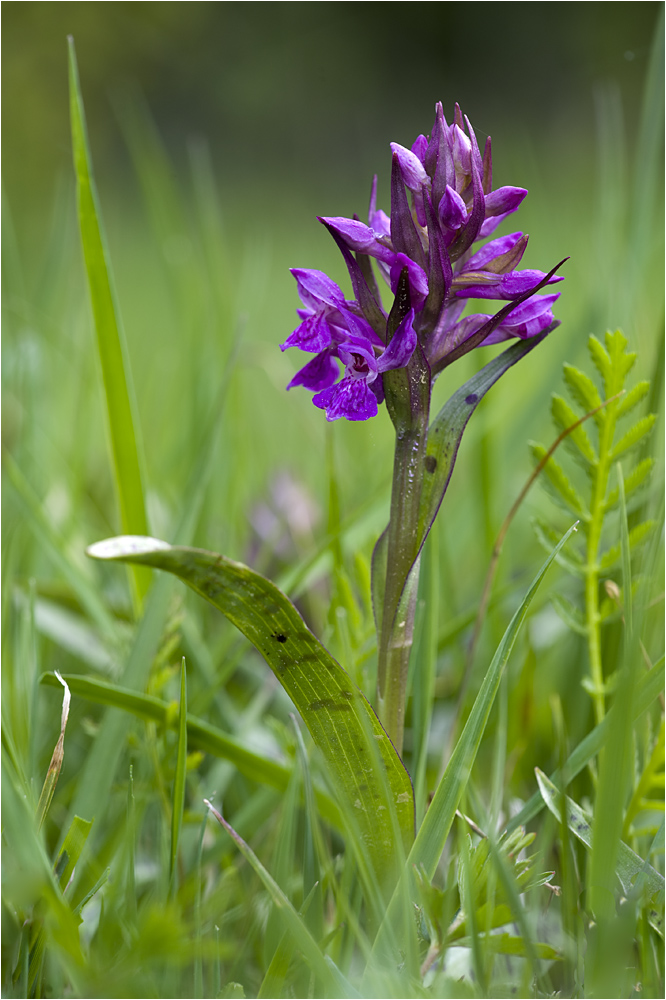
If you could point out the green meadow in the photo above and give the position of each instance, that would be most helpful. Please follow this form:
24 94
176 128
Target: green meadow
146 289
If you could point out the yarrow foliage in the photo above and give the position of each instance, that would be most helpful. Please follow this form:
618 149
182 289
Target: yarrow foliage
426 254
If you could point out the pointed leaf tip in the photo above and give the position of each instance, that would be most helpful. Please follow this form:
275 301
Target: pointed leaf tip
123 546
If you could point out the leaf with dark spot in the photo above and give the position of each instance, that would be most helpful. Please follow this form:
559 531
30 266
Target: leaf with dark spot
341 722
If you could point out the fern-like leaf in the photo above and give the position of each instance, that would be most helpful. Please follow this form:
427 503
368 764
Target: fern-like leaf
633 436
621 360
632 398
564 417
600 357
569 614
637 477
572 561
582 389
560 483
637 536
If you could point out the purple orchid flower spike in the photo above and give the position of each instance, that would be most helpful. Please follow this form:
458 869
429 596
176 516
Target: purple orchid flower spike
442 205
434 253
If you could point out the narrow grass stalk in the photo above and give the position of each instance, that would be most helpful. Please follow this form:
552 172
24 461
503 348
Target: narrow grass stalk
112 350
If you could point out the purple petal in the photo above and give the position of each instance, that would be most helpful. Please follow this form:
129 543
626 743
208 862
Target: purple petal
318 374
380 223
418 280
507 286
491 224
462 156
504 200
359 360
404 235
420 147
496 249
452 209
315 287
527 320
313 335
359 237
401 347
350 324
487 167
350 398
413 171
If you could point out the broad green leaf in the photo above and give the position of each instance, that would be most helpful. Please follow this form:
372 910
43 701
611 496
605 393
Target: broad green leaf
112 350
320 964
178 802
628 864
431 838
648 688
341 722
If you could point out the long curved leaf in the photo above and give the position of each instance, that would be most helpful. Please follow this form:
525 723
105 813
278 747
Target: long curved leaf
444 437
368 773
446 430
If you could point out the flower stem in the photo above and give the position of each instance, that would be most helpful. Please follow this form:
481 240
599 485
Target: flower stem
401 582
592 612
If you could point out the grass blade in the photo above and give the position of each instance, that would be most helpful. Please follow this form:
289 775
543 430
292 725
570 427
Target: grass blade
180 779
649 688
201 735
56 760
434 830
326 971
431 837
112 350
628 865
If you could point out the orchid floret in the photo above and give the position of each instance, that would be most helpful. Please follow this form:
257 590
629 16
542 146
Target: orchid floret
427 250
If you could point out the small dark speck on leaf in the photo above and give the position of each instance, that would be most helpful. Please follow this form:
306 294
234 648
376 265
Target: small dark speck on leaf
280 637
472 398
430 463
330 704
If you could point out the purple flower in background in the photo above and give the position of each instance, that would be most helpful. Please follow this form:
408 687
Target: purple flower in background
442 206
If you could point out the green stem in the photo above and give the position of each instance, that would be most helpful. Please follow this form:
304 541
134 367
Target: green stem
402 573
593 617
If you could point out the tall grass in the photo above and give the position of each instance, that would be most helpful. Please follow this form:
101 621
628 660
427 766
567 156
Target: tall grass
127 889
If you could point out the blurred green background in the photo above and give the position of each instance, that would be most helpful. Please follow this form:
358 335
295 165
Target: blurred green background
219 131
